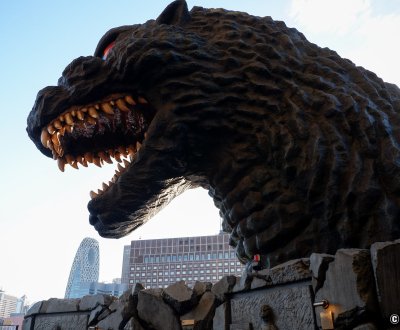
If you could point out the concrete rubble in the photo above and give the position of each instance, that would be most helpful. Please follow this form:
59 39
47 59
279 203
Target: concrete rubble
361 289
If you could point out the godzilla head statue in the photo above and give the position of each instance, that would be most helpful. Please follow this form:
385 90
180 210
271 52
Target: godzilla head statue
298 147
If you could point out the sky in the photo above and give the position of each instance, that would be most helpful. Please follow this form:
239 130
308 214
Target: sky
43 214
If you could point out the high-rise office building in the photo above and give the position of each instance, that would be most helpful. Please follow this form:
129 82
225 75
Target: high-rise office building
8 304
161 262
85 268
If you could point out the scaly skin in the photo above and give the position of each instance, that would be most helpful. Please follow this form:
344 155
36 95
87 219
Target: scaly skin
298 147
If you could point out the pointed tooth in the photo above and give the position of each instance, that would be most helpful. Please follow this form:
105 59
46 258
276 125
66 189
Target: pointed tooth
73 113
91 121
97 161
111 152
70 159
69 128
81 160
54 153
44 137
93 112
62 131
57 124
117 156
61 118
120 168
122 105
130 100
107 108
75 165
142 100
126 163
88 157
122 150
55 139
131 150
104 186
138 145
114 179
84 109
97 107
61 164
112 102
51 129
69 119
80 115
99 191
92 194
103 155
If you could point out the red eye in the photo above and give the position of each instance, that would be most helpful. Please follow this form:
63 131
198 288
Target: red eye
107 50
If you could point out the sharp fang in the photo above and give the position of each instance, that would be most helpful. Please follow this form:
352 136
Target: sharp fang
122 105
130 100
96 161
104 186
75 165
93 113
105 157
69 119
126 163
99 191
70 159
44 137
61 164
51 129
97 107
69 128
61 118
91 121
57 124
55 139
142 100
120 168
88 157
93 194
107 108
80 115
117 156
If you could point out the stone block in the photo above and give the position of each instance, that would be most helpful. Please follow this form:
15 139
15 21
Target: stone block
69 321
319 263
155 312
349 286
27 324
386 265
34 309
223 286
55 305
290 305
90 302
200 287
133 324
203 313
180 297
221 317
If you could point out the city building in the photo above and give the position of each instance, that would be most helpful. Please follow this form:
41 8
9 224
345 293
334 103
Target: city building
8 304
84 270
160 262
125 264
89 288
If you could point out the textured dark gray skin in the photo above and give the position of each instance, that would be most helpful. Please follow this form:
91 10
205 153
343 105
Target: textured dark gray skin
298 147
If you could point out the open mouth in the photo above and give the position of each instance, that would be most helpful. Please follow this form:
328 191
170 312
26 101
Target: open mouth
111 129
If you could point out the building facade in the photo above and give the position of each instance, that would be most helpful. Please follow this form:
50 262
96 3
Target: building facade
157 263
84 270
8 304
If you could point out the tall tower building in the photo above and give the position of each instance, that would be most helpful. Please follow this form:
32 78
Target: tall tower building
85 268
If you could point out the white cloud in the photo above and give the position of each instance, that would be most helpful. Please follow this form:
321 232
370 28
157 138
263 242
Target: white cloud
324 16
354 30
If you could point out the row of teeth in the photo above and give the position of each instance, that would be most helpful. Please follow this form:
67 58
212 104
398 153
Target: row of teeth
50 136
